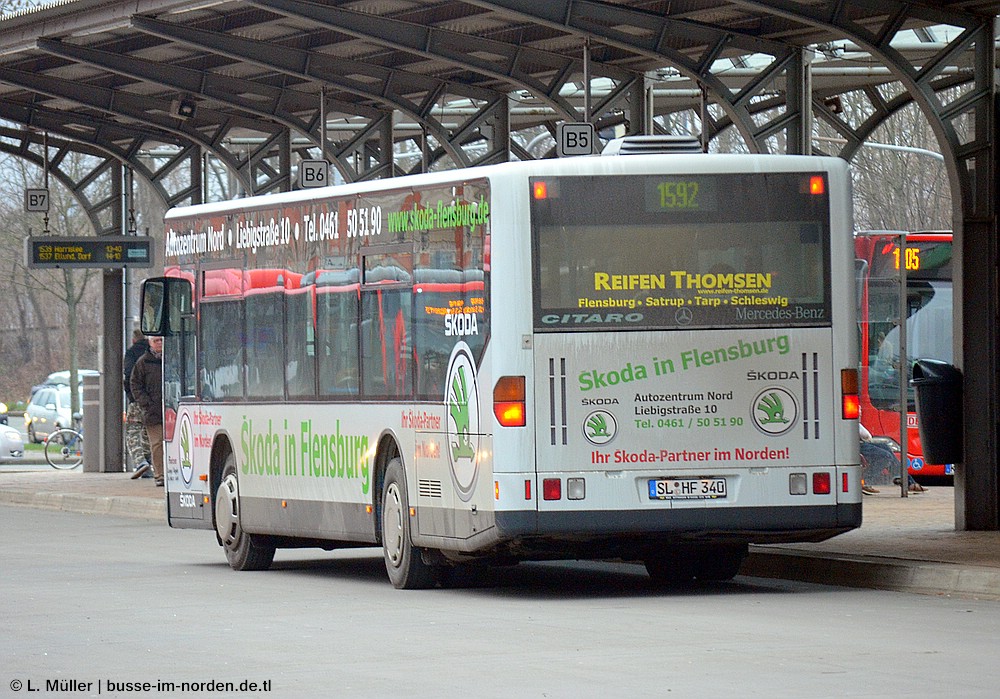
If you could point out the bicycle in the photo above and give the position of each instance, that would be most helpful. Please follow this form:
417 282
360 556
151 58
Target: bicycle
64 448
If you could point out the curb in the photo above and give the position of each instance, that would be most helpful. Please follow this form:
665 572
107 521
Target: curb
117 506
872 572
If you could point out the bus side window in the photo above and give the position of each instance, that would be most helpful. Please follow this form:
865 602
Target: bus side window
336 333
386 342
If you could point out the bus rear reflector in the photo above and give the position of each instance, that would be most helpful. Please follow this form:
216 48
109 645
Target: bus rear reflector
850 402
552 489
821 483
508 401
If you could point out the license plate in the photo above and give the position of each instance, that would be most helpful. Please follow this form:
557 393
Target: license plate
687 488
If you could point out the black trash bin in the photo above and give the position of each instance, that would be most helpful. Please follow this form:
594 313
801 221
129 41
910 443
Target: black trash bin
938 389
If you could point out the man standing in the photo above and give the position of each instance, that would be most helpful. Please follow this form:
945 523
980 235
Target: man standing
147 389
136 441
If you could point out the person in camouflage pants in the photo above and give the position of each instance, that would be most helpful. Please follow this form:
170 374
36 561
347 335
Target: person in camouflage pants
136 439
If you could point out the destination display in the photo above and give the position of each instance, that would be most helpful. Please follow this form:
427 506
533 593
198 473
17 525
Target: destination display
925 260
681 251
680 194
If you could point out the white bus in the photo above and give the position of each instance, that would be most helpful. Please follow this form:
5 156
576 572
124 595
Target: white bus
647 357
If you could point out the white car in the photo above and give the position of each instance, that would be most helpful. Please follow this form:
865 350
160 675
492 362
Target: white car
48 410
11 444
62 377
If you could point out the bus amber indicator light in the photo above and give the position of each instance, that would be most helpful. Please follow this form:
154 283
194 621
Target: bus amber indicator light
816 185
850 401
508 401
540 190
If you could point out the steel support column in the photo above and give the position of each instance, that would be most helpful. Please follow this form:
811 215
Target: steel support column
112 343
977 311
798 97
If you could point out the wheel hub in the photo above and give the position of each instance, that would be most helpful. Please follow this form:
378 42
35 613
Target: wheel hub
227 519
392 525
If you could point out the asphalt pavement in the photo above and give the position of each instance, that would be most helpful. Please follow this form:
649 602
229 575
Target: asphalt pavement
907 544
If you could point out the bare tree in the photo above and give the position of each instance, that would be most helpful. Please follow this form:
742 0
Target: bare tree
8 7
50 305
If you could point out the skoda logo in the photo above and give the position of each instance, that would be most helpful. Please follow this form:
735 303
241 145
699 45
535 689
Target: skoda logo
187 463
600 427
462 407
774 410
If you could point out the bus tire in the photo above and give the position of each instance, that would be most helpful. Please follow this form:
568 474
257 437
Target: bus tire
671 568
718 564
244 551
403 562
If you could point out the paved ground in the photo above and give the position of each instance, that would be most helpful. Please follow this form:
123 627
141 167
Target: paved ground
907 544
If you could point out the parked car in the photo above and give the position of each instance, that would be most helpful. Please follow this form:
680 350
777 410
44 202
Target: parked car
61 378
49 409
11 444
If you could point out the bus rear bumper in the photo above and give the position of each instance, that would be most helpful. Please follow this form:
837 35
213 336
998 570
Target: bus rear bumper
755 525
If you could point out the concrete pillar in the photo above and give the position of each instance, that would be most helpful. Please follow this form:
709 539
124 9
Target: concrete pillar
92 424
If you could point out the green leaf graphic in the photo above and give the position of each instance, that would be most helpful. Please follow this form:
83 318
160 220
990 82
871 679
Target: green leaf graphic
458 405
598 426
773 409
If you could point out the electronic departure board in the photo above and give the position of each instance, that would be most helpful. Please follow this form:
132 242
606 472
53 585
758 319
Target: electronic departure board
97 251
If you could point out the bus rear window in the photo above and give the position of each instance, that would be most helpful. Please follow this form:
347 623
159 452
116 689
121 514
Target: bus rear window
678 252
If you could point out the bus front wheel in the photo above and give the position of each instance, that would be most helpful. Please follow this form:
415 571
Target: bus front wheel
244 551
403 562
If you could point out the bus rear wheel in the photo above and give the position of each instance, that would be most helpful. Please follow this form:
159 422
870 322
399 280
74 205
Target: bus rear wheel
403 562
708 563
670 568
721 563
244 551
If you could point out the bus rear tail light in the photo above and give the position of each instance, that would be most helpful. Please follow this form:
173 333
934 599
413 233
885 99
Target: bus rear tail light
850 402
508 401
821 483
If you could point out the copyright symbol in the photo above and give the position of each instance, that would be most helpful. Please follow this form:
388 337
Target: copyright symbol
15 685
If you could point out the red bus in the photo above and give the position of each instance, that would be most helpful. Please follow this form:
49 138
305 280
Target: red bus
928 329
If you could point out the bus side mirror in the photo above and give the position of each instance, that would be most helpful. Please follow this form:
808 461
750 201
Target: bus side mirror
165 302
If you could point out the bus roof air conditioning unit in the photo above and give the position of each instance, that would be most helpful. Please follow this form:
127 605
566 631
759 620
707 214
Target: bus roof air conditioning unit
643 145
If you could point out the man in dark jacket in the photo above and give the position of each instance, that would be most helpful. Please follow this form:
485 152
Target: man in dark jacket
136 441
147 390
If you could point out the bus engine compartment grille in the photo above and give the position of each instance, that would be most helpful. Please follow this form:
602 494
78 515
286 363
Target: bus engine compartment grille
427 488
